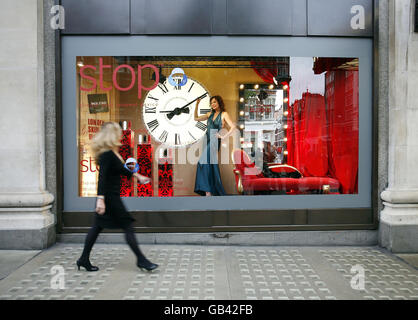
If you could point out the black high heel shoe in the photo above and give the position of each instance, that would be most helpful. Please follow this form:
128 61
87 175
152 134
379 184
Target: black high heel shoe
87 265
147 265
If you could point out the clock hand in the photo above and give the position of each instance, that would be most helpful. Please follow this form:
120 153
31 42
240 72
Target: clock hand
178 111
168 111
201 97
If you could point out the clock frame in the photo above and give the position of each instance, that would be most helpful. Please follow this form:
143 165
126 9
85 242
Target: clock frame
168 113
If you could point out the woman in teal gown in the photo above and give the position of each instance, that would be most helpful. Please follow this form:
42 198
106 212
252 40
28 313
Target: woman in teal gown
208 177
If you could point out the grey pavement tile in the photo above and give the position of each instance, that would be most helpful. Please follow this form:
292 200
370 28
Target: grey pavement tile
385 276
285 273
10 260
411 259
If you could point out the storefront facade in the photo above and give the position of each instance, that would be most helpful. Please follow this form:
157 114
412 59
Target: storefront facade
307 140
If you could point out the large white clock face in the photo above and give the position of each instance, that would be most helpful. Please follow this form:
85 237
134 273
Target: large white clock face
168 113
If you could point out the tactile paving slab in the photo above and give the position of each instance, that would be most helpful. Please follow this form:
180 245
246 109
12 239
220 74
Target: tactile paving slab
276 274
385 276
185 273
35 280
189 272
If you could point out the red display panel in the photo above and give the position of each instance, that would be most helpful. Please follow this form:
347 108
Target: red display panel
144 153
165 178
125 150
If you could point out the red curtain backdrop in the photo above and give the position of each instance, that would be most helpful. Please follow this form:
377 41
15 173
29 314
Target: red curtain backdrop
290 134
323 131
293 136
315 140
307 136
342 100
268 72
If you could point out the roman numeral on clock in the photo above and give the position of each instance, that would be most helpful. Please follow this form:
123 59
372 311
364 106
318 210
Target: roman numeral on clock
150 109
163 136
163 88
153 125
153 98
191 87
201 126
204 111
177 138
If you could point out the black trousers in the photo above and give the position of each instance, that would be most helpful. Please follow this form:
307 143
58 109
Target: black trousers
129 237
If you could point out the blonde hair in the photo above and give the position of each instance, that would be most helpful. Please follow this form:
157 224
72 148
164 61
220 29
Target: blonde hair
106 139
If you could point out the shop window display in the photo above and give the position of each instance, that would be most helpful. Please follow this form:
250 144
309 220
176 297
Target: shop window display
291 122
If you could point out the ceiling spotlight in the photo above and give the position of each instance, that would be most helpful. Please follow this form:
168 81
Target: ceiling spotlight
241 113
241 86
271 86
256 86
80 64
241 99
285 87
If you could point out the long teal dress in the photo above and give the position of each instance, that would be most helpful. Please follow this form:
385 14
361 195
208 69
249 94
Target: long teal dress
208 176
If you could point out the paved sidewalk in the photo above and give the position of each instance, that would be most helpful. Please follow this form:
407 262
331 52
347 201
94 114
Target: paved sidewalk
189 272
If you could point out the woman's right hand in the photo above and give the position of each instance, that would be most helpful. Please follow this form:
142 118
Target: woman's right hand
100 206
142 179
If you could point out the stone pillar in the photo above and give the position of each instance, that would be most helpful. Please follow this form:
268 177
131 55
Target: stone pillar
26 221
399 218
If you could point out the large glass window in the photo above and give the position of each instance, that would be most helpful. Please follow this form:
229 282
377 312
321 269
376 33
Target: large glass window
288 126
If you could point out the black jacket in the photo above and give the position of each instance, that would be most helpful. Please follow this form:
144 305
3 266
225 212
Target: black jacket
110 170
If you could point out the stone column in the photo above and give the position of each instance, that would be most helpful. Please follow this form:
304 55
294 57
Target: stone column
26 221
399 218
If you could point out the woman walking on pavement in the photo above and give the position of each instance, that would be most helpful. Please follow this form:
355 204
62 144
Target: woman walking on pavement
110 211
